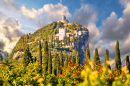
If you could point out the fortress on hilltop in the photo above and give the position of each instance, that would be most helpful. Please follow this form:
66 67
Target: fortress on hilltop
64 20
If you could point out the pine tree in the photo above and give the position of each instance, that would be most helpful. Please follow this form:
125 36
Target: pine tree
77 59
45 58
27 57
55 64
96 59
117 57
40 53
128 63
107 59
87 56
73 60
50 63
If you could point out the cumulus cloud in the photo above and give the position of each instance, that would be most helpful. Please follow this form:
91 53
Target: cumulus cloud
48 13
2 45
9 33
87 16
114 28
8 8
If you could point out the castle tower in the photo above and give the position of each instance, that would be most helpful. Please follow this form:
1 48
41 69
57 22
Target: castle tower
63 18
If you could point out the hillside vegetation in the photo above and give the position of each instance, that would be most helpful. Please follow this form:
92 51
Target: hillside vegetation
46 32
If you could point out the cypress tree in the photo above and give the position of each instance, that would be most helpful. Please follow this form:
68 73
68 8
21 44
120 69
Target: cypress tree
45 58
35 59
77 59
61 58
117 57
87 56
27 57
107 59
66 62
58 65
50 63
73 60
54 64
54 43
96 59
128 63
1 57
40 53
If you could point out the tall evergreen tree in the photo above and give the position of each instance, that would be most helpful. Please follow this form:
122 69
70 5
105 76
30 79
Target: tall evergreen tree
96 59
55 64
107 59
73 60
54 43
27 57
87 56
66 62
128 63
58 65
61 58
40 53
117 57
35 59
50 63
77 59
45 58
1 57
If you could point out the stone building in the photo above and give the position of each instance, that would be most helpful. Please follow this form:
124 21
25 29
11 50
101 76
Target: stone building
62 33
64 20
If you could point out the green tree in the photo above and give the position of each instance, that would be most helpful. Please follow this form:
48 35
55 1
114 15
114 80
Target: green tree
61 58
77 59
27 57
73 60
128 63
45 58
58 65
1 57
40 53
50 63
35 59
96 59
55 64
87 56
66 62
117 57
106 64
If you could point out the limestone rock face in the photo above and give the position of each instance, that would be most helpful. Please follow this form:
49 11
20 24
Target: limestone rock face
82 44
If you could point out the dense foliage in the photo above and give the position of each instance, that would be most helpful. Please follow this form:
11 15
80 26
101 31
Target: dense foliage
46 32
56 68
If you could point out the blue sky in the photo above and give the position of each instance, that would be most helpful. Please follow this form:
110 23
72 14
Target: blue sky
106 20
103 7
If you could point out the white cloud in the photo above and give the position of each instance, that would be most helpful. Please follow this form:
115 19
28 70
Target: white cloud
87 16
114 28
48 12
9 33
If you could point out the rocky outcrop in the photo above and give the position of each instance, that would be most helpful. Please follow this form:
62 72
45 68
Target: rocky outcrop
17 55
81 44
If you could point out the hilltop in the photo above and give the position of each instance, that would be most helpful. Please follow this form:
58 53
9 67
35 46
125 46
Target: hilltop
76 39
